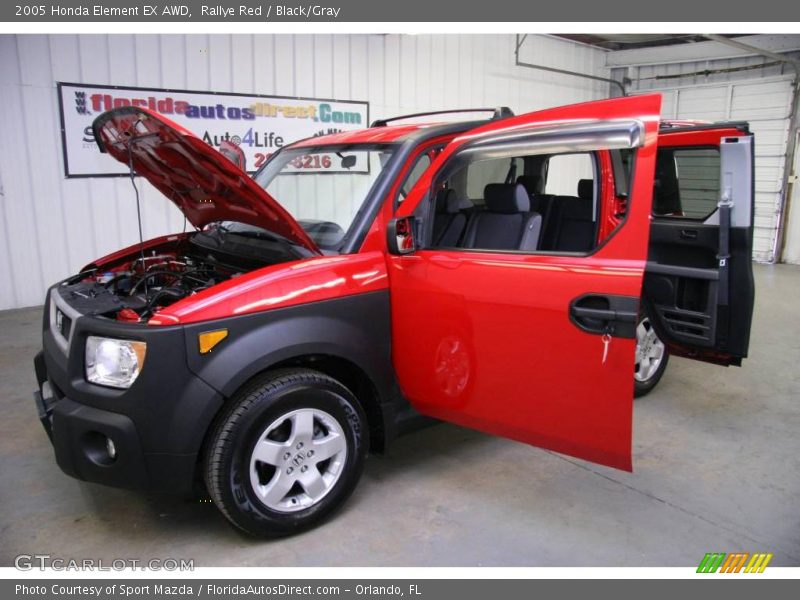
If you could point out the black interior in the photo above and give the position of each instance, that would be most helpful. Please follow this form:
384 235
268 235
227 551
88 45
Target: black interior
681 280
517 216
449 222
570 224
666 191
507 223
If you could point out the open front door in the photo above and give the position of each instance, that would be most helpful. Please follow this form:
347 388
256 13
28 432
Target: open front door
523 325
699 285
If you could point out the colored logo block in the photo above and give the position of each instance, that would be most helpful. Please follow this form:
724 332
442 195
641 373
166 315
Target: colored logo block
737 562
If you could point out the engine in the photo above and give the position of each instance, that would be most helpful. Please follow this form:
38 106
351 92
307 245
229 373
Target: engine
136 290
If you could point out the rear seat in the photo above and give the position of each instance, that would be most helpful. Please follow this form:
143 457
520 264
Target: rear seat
570 225
534 185
448 222
507 223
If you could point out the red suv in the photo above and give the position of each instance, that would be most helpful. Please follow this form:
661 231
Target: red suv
488 273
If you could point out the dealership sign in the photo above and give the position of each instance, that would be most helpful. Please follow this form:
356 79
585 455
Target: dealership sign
259 125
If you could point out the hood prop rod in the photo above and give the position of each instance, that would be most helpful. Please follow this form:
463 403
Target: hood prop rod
138 208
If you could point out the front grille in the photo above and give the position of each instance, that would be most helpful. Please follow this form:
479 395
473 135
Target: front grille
63 324
62 320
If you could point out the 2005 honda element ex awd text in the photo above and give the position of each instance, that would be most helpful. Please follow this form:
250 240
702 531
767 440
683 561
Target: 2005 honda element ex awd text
509 274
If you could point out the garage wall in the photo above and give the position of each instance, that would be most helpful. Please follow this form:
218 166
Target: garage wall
760 93
791 250
50 226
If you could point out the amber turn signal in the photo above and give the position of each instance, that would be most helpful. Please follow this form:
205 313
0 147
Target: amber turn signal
208 339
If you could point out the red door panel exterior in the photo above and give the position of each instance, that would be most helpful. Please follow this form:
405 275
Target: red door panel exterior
484 339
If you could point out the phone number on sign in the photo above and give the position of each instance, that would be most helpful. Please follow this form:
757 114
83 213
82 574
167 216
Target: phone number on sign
310 161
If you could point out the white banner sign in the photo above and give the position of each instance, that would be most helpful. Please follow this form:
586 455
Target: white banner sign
260 125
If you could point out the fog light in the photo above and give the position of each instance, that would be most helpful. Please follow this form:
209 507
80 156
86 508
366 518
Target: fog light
47 391
99 448
111 448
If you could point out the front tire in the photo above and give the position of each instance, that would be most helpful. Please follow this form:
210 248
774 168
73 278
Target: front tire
287 453
651 358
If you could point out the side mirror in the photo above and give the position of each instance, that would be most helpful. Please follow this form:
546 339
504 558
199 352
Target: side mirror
233 153
349 161
400 236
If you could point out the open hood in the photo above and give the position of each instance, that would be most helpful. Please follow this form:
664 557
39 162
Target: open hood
200 181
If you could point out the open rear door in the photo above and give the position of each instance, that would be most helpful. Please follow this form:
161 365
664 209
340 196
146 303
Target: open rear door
534 345
699 285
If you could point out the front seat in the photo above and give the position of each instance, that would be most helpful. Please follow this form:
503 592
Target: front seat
540 202
507 223
449 221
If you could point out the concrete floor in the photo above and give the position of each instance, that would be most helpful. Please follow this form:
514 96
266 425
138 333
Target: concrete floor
716 459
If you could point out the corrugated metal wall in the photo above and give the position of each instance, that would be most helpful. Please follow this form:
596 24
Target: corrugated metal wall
791 252
752 89
51 226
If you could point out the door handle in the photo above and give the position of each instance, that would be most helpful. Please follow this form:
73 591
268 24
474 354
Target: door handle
689 234
605 314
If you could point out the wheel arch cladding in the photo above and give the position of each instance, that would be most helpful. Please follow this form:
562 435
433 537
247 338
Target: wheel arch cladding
347 338
354 379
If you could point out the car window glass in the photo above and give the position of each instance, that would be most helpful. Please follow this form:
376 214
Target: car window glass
565 171
480 205
480 174
422 163
686 182
324 187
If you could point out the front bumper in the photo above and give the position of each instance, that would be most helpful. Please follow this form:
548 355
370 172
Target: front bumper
80 436
156 427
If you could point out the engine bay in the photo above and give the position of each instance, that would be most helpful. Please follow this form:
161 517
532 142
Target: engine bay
137 289
138 284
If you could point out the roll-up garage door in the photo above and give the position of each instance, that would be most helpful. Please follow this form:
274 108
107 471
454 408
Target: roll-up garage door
766 105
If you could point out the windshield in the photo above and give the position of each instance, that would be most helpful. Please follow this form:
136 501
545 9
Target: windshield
324 187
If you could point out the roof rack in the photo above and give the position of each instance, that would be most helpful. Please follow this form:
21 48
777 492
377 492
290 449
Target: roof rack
501 112
676 125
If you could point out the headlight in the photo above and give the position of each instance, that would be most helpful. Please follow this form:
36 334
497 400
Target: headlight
115 363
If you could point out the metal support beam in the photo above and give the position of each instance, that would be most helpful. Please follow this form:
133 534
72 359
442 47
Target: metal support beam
701 51
753 50
519 63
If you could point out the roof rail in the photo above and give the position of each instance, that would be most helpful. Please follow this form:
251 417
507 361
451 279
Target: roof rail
501 112
672 126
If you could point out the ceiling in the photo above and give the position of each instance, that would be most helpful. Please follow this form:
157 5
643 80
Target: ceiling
627 41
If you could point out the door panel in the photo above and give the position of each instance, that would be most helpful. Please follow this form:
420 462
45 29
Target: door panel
701 306
491 340
490 345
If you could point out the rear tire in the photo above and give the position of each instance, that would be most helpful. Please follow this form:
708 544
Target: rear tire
287 453
651 357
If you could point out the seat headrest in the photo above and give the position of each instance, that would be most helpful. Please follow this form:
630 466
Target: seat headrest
447 202
531 183
506 198
586 189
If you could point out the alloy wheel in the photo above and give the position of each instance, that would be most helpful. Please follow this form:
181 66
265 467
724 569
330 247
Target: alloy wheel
649 351
297 460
